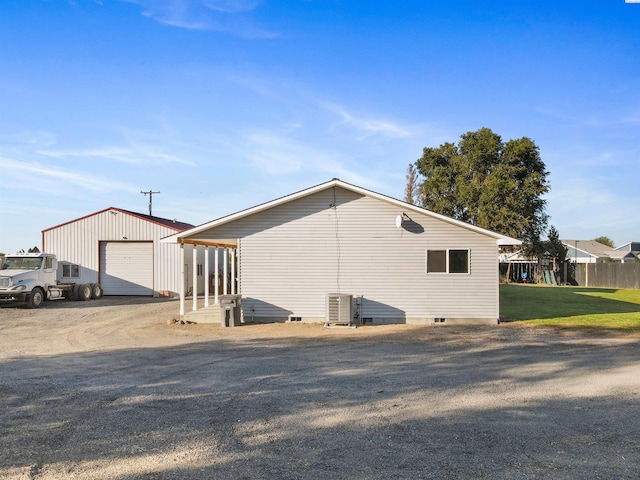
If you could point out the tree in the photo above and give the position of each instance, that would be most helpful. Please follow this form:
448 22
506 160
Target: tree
605 241
490 183
555 247
34 250
412 190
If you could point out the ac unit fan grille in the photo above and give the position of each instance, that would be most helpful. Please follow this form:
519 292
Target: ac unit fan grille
339 309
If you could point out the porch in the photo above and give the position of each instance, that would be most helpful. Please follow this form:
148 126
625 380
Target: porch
221 280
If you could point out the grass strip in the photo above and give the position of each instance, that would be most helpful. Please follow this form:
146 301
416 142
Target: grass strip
572 307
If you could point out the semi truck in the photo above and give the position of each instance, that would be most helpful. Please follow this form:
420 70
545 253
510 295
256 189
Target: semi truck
33 278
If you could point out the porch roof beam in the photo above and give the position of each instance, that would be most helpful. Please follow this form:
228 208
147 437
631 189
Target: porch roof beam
207 243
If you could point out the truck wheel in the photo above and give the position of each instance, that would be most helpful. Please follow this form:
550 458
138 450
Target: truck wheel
36 299
96 291
84 292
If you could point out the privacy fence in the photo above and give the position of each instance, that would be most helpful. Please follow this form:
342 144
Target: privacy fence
608 275
597 275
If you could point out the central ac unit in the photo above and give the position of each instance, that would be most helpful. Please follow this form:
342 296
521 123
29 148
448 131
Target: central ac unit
339 309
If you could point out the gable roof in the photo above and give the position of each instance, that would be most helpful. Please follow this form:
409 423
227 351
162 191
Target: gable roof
180 237
593 248
165 222
633 247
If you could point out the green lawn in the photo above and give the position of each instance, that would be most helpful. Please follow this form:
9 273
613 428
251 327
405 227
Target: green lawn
572 307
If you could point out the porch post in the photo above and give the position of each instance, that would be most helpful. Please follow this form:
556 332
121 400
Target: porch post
206 276
216 275
225 270
182 279
233 271
194 288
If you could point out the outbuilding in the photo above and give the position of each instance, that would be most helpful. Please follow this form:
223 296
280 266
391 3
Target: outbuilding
121 250
391 261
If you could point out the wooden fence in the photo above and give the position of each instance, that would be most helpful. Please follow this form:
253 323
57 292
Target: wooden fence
608 275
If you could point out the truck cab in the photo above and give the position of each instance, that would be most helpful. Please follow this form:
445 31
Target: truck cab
31 278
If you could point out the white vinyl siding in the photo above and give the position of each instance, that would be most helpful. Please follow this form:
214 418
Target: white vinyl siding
292 255
126 268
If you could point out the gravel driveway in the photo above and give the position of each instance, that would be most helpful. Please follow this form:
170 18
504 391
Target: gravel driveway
108 389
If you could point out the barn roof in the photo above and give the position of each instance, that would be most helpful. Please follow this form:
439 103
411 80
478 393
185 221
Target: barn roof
165 222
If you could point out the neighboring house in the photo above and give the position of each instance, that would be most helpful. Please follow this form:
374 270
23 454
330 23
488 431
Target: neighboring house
590 251
121 250
631 252
409 265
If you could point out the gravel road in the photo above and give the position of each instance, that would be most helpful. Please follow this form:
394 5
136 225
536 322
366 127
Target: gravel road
107 389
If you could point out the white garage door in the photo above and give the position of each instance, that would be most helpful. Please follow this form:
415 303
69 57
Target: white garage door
126 268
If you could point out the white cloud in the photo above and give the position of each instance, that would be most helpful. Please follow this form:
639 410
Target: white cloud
279 155
119 154
35 176
136 155
227 16
232 6
368 126
38 139
274 155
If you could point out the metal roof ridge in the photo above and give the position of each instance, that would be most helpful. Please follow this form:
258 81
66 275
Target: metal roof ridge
142 216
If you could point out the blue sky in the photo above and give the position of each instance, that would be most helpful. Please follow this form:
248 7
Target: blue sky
221 104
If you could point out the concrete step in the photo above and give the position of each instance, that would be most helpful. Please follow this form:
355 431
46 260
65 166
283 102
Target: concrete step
210 314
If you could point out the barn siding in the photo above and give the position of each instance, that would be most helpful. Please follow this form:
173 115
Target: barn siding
78 242
292 255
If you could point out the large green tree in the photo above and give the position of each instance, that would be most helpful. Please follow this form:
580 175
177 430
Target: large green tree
490 183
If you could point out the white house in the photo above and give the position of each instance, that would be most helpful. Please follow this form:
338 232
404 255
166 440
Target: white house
121 250
630 252
404 263
590 251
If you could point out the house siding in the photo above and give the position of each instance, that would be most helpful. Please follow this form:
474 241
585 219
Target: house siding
78 242
292 255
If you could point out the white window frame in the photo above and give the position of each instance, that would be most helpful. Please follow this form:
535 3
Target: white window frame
447 263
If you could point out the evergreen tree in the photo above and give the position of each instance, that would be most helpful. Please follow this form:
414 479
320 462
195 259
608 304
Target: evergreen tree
555 247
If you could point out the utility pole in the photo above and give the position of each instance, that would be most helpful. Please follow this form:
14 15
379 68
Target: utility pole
150 193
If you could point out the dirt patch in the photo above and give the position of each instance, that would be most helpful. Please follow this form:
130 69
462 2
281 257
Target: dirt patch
107 389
